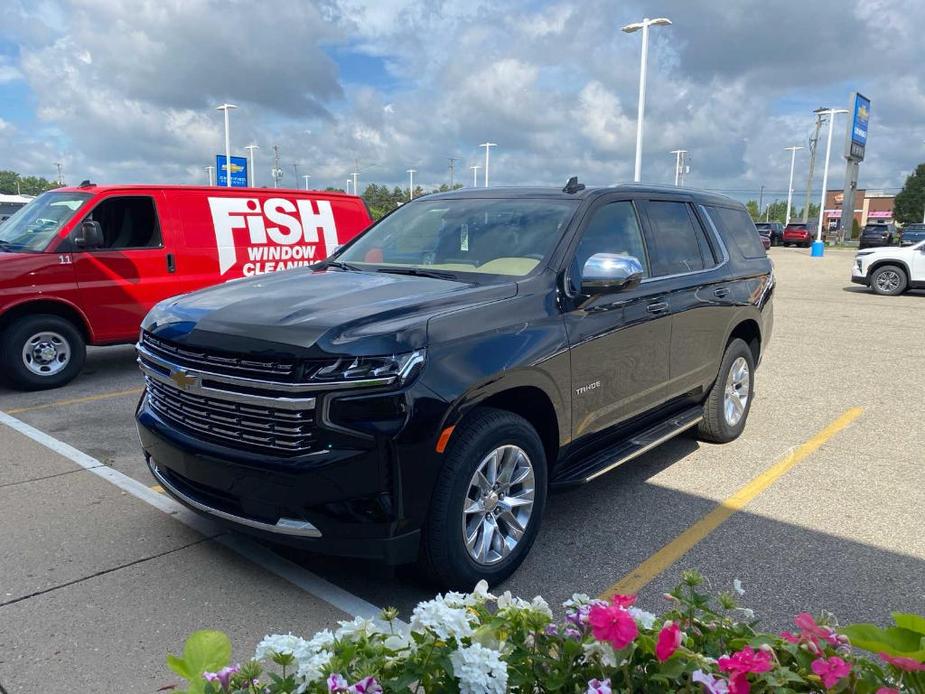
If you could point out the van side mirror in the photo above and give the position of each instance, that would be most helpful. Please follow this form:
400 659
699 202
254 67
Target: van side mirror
89 235
604 273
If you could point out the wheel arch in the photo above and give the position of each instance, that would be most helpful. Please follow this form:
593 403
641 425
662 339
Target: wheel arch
54 307
877 264
749 331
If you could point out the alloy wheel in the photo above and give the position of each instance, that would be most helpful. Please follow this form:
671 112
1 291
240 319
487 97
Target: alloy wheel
738 383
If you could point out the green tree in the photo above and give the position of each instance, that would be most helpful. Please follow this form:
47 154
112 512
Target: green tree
752 207
910 202
11 183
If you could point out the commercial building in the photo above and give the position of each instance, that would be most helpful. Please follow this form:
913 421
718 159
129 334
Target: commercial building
870 207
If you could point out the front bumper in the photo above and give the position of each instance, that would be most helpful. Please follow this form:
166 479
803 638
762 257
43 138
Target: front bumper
858 276
342 502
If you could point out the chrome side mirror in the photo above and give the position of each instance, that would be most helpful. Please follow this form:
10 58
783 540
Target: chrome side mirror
610 272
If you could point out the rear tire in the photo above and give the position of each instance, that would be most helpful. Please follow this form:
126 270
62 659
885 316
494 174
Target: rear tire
889 280
445 554
41 352
726 408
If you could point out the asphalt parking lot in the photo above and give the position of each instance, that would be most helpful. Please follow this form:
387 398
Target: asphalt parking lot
818 505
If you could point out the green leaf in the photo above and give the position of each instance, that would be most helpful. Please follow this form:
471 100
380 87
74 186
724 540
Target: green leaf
893 641
178 665
912 622
207 651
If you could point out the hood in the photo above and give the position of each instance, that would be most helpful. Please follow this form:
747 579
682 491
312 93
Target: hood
316 314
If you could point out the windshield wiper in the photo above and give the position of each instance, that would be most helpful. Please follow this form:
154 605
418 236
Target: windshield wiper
419 272
6 245
346 267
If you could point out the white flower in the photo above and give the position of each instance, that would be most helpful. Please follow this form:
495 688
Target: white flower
481 592
643 619
507 600
360 626
737 586
278 643
746 612
479 670
576 601
444 620
311 669
396 642
600 652
323 640
541 606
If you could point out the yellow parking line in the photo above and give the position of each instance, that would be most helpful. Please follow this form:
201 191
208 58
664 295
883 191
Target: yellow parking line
157 488
636 579
76 401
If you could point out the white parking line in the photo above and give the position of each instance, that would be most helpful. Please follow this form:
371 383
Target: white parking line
244 546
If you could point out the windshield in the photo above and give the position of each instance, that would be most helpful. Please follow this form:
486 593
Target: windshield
797 227
36 224
498 237
875 229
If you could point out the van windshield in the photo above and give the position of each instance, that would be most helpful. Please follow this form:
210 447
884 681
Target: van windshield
487 236
33 226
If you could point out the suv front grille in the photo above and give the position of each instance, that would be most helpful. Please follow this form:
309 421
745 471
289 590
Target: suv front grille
220 362
239 425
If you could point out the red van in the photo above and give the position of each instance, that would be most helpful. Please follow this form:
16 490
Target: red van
84 265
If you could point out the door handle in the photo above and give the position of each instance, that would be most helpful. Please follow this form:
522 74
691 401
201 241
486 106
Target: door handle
721 292
171 263
658 307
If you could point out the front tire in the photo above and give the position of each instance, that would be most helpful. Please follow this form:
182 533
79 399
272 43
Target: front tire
730 399
488 502
889 280
41 352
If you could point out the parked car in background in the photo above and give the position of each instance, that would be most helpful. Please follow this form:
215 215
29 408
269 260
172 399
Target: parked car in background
797 234
765 242
484 347
911 234
10 204
84 265
873 235
774 231
891 270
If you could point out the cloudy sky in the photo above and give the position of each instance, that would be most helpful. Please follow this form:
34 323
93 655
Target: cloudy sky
125 91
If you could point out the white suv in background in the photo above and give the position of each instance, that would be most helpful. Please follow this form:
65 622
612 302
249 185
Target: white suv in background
890 270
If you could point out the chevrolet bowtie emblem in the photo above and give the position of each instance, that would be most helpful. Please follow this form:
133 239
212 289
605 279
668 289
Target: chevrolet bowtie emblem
184 379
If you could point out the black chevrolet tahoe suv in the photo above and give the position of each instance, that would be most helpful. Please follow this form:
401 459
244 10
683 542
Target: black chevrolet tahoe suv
418 394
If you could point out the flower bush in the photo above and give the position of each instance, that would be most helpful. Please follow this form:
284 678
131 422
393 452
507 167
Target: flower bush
479 643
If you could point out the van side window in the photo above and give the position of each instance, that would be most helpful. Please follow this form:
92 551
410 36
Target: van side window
614 228
677 242
737 225
127 222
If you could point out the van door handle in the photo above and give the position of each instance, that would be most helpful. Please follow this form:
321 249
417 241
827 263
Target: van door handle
171 263
658 307
721 292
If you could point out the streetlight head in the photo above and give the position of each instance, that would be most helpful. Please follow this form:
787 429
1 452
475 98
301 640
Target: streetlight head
660 21
821 109
630 28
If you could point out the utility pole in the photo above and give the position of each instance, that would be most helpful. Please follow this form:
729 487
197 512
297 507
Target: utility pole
487 146
452 171
60 180
277 172
813 142
475 174
295 175
209 170
760 200
411 173
679 166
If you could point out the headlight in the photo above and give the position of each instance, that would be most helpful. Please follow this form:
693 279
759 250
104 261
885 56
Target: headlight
399 367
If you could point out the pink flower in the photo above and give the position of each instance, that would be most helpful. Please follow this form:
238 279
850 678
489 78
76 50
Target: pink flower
887 690
811 630
367 685
223 676
739 684
907 664
596 686
623 600
669 639
747 660
831 670
614 624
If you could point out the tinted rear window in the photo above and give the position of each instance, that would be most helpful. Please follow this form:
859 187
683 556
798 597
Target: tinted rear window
737 226
678 244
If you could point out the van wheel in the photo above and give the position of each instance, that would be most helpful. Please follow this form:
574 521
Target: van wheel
39 352
889 280
488 502
726 407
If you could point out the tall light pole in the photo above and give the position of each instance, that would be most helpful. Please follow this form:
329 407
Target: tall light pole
475 174
793 158
487 146
355 189
818 246
678 165
411 173
209 170
60 180
306 177
226 108
250 160
348 186
629 29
